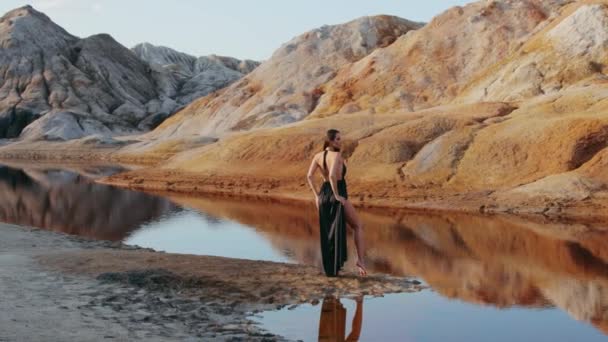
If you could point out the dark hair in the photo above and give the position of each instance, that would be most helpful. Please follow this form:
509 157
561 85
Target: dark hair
329 137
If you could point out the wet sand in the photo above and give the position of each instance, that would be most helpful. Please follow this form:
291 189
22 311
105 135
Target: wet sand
58 287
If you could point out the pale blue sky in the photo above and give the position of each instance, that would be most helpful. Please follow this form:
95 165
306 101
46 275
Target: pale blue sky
242 29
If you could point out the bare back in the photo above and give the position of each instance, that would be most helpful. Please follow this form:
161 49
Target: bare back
330 159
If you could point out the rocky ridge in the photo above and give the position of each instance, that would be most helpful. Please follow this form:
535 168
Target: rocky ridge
285 88
55 86
186 78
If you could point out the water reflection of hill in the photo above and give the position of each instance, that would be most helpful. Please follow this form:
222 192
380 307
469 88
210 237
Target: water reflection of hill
498 261
67 202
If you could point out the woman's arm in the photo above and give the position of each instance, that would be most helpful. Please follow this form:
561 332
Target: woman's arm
357 321
333 177
310 177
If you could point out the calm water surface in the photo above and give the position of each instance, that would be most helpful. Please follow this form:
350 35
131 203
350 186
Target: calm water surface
493 279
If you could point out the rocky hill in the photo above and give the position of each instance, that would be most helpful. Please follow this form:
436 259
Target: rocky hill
185 77
285 88
428 66
493 106
431 66
56 86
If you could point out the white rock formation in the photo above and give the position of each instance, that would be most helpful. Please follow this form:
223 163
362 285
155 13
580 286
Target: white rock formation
582 32
89 86
284 89
185 77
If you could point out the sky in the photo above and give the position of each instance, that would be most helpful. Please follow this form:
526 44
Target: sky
238 28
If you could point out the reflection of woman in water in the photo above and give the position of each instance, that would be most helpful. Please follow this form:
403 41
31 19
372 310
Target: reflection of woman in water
332 325
335 210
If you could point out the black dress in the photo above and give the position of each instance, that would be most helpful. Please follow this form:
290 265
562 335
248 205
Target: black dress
332 222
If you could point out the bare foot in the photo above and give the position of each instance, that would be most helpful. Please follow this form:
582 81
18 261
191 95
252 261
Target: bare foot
362 270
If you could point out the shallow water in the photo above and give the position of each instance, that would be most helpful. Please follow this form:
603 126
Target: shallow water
424 316
191 232
493 278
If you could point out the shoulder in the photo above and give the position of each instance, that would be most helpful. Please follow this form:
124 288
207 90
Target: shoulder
336 157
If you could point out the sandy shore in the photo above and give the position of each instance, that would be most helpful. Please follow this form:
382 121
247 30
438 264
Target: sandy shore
148 175
383 195
58 287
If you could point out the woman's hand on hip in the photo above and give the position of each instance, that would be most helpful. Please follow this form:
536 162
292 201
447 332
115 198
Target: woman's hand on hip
340 199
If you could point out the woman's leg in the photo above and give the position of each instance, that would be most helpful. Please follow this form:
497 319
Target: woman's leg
356 225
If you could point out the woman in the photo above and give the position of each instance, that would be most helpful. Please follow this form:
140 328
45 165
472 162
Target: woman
335 210
332 324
